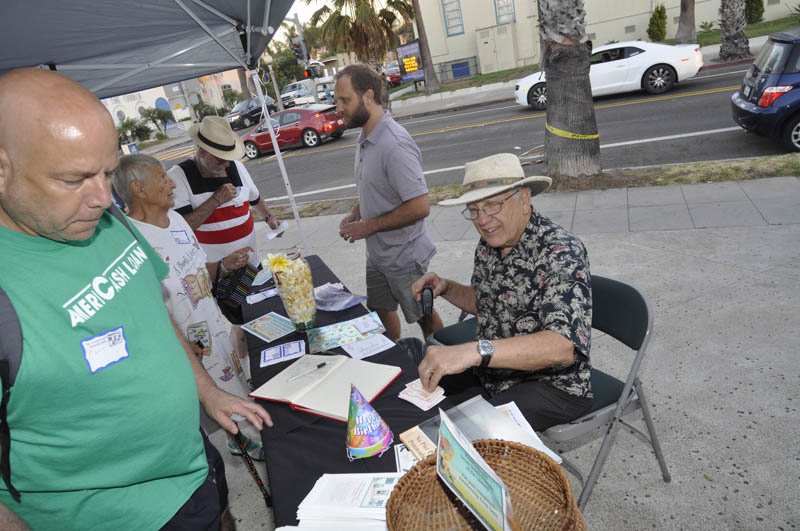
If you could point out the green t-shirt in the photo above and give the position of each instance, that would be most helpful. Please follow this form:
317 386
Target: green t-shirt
104 414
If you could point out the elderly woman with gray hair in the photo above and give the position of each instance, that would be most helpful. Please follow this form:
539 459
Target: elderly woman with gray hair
141 182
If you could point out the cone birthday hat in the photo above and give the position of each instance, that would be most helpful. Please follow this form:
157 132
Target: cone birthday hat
367 433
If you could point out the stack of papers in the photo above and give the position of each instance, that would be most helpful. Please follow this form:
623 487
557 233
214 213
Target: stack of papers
343 501
333 297
417 395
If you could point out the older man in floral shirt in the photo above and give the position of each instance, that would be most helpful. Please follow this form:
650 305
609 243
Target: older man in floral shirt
531 293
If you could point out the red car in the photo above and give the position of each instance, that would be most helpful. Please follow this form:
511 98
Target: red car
300 126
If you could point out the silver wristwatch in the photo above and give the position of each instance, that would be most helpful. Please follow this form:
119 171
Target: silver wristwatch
486 350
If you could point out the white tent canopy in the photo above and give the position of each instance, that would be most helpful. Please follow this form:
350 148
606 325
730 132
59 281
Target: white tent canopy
115 47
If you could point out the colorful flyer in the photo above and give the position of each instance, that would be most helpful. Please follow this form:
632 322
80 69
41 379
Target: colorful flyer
367 433
470 478
344 333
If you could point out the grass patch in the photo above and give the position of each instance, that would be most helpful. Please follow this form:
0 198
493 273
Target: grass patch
481 79
686 173
706 38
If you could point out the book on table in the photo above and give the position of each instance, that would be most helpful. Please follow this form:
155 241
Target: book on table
320 384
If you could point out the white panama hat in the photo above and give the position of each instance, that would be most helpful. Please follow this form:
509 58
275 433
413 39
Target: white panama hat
214 134
495 174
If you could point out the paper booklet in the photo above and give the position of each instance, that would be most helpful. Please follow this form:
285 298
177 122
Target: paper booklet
320 384
477 419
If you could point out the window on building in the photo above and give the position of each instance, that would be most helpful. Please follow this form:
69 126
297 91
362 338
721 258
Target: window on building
630 29
504 11
773 2
453 21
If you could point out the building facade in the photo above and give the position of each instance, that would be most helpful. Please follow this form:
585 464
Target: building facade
467 37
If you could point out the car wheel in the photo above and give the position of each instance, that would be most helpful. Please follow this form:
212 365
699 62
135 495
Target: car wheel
250 150
337 134
658 79
537 96
791 133
246 121
310 138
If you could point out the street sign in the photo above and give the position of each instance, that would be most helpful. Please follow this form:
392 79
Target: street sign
410 61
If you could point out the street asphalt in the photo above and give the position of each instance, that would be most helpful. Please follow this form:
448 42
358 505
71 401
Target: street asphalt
717 263
691 123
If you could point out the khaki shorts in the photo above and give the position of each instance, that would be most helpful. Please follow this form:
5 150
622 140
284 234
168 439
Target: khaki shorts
387 291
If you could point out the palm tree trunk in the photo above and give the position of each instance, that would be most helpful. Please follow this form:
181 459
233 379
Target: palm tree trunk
243 81
686 28
431 81
734 45
572 145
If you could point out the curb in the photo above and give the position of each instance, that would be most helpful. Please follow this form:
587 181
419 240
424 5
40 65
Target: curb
714 66
456 108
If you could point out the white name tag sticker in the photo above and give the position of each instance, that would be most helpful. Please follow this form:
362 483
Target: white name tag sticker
181 237
105 349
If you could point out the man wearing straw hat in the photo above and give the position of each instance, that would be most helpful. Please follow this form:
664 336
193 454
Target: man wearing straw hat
214 191
531 294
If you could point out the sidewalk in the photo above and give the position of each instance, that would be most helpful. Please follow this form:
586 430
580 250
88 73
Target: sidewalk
497 92
717 263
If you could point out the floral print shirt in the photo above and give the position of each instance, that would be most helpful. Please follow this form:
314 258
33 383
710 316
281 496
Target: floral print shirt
542 284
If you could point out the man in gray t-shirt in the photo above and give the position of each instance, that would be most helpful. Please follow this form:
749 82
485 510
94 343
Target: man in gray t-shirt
393 201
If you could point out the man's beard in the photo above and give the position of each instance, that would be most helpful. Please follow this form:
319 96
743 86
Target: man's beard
360 117
207 172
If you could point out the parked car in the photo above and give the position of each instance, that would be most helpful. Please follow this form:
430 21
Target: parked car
768 103
297 93
248 112
302 126
393 75
624 67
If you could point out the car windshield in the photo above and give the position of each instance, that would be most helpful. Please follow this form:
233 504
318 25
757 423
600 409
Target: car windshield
772 57
289 88
242 105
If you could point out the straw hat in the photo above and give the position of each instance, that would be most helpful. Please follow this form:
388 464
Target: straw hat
494 174
214 134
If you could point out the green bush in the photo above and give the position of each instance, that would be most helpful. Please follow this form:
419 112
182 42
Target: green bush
657 29
754 11
706 26
203 109
132 129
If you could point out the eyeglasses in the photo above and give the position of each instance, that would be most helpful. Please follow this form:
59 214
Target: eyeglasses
490 208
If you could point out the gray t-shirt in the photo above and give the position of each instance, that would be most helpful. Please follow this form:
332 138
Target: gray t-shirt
388 172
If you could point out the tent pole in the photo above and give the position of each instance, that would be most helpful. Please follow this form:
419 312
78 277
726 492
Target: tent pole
306 249
209 32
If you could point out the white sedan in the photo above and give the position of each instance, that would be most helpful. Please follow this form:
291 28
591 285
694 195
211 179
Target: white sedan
624 67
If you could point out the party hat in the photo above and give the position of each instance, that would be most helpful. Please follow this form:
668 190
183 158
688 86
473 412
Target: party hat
367 433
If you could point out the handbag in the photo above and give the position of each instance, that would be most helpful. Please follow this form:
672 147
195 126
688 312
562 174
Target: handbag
232 289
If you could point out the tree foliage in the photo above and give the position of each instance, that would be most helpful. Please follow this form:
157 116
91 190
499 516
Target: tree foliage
360 27
158 117
754 11
131 129
657 28
284 66
231 97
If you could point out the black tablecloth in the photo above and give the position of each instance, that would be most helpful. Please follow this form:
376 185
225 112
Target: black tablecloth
301 447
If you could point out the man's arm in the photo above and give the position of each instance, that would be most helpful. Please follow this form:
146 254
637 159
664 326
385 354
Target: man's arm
218 404
407 213
266 215
531 352
199 215
10 521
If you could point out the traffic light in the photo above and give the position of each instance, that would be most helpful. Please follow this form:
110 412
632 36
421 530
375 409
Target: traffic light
299 50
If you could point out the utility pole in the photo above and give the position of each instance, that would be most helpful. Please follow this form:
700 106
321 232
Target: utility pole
278 99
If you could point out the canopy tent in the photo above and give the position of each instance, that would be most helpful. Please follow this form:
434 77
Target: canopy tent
115 47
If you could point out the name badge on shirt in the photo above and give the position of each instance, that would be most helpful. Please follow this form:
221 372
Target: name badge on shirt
105 349
180 236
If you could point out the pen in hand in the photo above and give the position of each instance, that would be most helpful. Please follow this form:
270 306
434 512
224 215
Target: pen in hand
309 371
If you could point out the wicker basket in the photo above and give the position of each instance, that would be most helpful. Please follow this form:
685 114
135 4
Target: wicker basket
541 497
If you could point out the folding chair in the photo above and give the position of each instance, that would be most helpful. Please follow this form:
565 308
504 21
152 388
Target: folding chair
620 311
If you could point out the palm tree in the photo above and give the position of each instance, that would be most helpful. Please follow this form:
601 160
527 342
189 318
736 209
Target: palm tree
361 27
732 20
431 81
686 29
572 145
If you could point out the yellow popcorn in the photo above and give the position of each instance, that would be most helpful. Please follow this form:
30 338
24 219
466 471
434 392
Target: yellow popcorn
296 288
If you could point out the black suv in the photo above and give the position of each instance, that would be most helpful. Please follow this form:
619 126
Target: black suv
248 112
769 101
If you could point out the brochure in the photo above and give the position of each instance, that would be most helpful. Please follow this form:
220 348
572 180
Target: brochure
269 327
470 478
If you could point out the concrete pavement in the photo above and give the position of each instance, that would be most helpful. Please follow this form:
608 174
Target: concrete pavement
718 264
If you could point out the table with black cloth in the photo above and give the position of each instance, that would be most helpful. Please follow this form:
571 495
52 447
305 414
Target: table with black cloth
300 447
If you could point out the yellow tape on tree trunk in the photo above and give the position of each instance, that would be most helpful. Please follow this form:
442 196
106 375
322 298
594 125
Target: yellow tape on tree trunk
570 135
